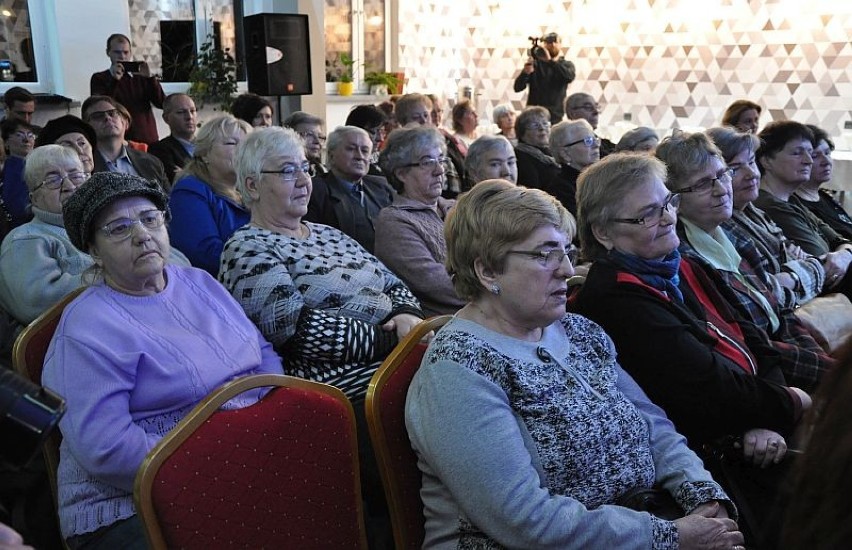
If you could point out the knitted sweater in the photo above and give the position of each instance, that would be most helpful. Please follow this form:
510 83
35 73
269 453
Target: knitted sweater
321 301
130 368
410 241
529 444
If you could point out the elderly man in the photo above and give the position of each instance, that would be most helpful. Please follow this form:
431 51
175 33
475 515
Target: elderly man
175 150
131 84
19 104
346 197
309 127
582 105
547 75
489 158
112 154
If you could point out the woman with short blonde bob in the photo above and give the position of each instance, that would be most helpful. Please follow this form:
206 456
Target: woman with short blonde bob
526 429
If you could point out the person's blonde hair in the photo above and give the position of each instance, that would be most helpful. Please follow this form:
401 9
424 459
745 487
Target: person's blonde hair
488 220
205 139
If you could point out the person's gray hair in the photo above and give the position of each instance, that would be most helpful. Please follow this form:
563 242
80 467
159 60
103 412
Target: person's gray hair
258 146
339 134
732 142
206 138
298 118
601 189
479 149
685 154
565 132
632 138
577 100
402 147
504 109
45 159
527 117
406 104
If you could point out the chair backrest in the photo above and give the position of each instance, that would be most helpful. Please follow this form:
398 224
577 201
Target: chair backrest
281 473
28 360
385 407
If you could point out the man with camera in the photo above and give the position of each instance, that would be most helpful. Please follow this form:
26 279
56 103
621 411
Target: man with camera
547 74
131 84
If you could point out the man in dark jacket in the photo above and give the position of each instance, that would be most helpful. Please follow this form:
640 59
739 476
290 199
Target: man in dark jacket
547 76
175 150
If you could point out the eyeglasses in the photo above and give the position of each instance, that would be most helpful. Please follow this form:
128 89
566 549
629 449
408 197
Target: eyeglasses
122 228
589 141
655 217
291 172
551 259
429 163
592 108
706 185
100 116
313 136
26 136
540 126
54 181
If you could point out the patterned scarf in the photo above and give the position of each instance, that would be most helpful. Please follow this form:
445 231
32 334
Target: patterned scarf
659 274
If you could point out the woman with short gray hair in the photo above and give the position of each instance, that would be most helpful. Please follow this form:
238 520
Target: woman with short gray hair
536 165
504 117
489 158
574 146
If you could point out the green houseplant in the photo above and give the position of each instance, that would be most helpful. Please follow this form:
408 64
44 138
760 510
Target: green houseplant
213 79
345 73
381 83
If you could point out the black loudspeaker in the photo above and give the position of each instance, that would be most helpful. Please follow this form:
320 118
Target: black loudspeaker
278 54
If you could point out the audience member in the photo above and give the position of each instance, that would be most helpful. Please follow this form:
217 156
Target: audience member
743 115
491 158
175 150
797 277
254 109
536 165
331 309
436 115
70 131
111 153
309 128
136 90
527 431
372 120
347 198
548 76
413 108
639 140
133 354
583 105
717 379
575 147
465 121
18 138
785 162
504 117
205 204
410 232
819 201
19 104
698 173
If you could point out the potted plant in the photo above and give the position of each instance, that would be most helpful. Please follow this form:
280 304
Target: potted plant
382 83
213 79
346 69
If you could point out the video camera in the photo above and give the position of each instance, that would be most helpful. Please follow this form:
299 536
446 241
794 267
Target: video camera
28 413
537 50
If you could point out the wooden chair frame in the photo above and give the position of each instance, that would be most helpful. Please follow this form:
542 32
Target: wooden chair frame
392 487
142 488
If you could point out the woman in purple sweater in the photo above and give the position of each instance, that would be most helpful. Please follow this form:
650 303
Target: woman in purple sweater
133 354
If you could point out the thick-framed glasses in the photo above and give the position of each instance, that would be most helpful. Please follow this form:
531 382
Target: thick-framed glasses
54 181
122 228
429 163
588 141
656 216
313 136
25 136
706 185
291 172
550 259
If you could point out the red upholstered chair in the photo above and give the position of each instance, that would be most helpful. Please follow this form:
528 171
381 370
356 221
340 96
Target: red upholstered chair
282 473
385 407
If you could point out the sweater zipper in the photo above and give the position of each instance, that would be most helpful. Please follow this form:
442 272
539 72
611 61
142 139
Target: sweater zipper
736 344
545 356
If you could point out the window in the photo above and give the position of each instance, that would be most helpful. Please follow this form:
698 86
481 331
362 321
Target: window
17 56
359 28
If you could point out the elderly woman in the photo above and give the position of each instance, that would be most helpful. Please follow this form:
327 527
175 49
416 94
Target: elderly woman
18 137
744 115
785 163
133 354
817 200
575 147
331 309
309 128
465 121
638 140
698 173
796 277
410 232
70 131
491 158
536 166
347 197
526 429
714 376
253 109
504 117
205 204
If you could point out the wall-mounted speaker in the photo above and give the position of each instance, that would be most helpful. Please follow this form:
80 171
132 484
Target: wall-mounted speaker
278 54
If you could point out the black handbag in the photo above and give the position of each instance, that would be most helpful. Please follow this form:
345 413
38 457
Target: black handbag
657 502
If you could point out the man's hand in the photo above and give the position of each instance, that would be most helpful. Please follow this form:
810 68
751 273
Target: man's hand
529 66
117 70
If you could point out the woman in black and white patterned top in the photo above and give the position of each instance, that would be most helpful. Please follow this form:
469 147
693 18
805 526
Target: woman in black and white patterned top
330 308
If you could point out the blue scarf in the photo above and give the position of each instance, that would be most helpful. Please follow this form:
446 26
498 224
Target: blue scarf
659 274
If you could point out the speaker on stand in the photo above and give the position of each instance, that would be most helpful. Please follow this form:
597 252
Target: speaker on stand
278 54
